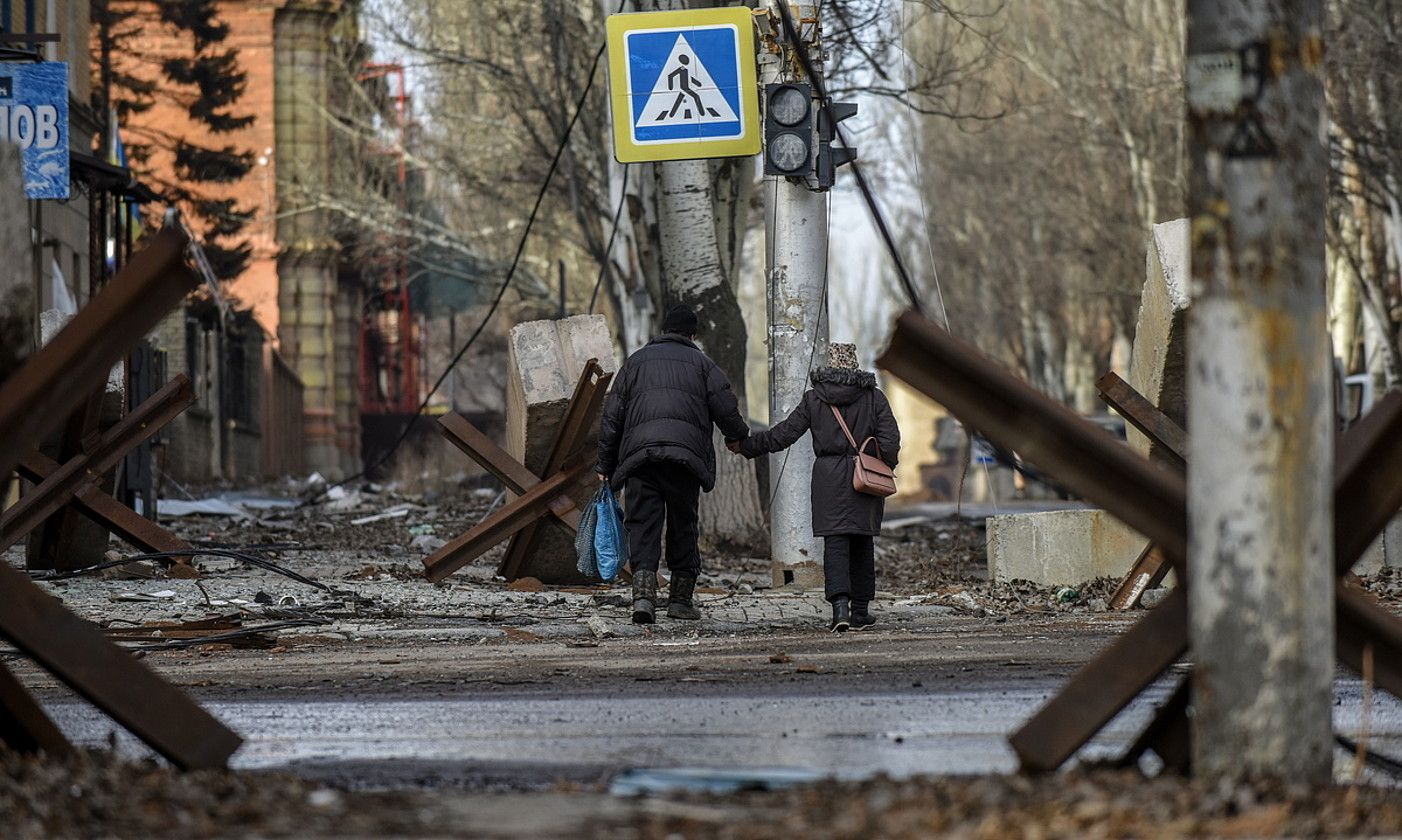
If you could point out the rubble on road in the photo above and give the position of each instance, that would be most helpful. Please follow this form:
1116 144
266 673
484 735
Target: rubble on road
94 793
1072 805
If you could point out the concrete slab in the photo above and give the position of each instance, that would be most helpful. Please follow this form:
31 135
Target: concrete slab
545 360
1060 548
1386 550
1156 365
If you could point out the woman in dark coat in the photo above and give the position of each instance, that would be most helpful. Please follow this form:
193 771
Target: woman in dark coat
848 521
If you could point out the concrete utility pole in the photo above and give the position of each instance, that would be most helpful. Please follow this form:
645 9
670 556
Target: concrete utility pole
796 224
1259 420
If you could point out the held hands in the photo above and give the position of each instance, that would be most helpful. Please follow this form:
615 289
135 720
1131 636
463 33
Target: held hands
603 479
733 446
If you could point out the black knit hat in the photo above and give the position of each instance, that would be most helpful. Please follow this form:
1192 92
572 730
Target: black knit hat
680 320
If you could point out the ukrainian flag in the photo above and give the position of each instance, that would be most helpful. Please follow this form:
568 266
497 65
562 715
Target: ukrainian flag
129 213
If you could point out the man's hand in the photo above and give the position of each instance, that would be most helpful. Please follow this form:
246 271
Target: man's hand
602 478
733 446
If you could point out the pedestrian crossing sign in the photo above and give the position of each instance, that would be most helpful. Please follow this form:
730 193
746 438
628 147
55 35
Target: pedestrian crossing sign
682 85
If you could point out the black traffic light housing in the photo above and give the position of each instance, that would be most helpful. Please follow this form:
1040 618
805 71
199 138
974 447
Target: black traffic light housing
788 129
828 157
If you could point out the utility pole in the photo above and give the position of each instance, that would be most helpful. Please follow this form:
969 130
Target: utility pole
1259 393
795 227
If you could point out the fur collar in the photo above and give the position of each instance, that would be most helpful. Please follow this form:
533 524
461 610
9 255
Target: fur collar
843 376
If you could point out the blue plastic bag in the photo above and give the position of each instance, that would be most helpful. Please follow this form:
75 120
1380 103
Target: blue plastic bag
584 539
610 540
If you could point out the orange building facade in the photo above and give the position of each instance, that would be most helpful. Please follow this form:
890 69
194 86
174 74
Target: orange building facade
295 284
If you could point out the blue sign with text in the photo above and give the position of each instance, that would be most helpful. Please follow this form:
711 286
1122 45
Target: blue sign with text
34 116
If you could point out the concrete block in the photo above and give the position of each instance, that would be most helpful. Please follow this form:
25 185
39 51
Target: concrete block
1156 364
1060 548
1386 550
544 362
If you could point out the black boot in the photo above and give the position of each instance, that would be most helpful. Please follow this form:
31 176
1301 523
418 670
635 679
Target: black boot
861 615
841 614
644 595
679 599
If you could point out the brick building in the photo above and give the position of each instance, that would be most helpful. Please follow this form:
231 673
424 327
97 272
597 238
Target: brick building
299 289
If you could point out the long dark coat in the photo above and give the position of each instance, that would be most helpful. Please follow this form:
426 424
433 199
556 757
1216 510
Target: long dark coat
661 408
837 508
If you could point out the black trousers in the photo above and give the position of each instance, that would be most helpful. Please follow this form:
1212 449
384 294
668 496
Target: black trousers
849 565
663 493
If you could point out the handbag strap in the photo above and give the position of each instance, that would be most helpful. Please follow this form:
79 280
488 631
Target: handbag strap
843 423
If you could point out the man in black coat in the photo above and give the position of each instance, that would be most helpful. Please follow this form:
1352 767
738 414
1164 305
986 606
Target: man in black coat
655 445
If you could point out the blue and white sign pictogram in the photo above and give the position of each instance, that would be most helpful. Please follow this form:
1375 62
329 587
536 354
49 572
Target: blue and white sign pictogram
34 116
683 85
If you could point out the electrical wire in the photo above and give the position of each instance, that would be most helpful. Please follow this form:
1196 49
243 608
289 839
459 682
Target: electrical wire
1386 763
877 217
251 559
505 284
608 249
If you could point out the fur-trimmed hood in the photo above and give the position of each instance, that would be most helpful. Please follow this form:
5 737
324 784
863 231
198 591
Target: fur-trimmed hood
841 386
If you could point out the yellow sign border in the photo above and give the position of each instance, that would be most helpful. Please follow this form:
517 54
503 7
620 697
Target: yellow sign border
624 149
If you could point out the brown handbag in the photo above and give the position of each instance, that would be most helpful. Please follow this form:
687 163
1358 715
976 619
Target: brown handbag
870 474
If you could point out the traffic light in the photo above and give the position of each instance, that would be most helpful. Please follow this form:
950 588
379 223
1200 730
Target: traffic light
828 157
788 129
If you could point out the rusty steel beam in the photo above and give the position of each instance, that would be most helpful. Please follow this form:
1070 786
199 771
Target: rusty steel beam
1360 622
1103 687
78 654
1367 493
511 518
1143 415
585 404
1366 497
1148 571
1014 415
57 485
1151 567
1168 734
1084 458
500 464
59 376
24 725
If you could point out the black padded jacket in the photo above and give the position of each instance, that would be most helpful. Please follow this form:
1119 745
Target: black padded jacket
661 408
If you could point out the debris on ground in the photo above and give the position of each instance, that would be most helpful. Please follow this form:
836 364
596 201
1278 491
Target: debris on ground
94 793
1073 805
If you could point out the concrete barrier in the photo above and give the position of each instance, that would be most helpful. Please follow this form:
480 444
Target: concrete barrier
1060 548
545 360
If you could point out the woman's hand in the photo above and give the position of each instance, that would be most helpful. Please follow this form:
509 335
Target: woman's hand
733 446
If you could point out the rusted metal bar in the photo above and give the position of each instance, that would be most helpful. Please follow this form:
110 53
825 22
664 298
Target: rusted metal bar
495 460
585 404
987 397
24 725
511 518
1148 571
1365 500
1089 462
56 538
60 375
146 534
57 484
1103 687
1169 734
1136 409
1367 493
1361 621
1151 567
76 652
